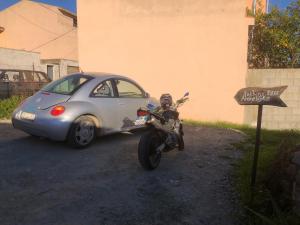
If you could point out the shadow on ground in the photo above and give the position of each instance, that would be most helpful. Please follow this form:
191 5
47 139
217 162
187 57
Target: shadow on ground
46 182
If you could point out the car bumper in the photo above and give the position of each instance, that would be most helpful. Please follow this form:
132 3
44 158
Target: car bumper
52 128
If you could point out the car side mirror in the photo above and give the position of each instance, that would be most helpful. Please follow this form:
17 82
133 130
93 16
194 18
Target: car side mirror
147 95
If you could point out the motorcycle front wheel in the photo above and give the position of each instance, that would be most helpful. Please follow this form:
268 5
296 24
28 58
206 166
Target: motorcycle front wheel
148 156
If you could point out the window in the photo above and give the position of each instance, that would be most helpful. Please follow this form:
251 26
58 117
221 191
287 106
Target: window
67 85
105 89
10 76
42 77
128 90
72 69
50 71
28 76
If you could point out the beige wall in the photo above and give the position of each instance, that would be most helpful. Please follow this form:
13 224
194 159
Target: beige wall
30 24
171 46
275 117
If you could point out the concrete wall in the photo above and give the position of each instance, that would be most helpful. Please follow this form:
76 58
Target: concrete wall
34 26
19 59
171 46
24 60
275 117
60 67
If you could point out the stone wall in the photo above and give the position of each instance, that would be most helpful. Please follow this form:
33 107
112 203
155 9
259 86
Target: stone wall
275 117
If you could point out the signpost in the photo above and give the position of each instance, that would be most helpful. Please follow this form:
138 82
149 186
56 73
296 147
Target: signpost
259 96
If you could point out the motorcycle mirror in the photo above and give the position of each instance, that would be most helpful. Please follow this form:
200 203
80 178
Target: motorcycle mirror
186 94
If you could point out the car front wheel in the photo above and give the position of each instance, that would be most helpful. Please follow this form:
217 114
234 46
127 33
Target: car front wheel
82 132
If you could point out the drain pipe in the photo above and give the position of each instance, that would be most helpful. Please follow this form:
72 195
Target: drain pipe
254 7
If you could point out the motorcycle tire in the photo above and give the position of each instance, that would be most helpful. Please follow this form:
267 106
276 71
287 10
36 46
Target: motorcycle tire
148 157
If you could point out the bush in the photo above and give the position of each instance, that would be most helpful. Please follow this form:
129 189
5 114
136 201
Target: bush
7 106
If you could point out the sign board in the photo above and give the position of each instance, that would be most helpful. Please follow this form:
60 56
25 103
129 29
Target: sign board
261 96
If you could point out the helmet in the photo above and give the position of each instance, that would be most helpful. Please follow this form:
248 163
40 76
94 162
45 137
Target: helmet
166 101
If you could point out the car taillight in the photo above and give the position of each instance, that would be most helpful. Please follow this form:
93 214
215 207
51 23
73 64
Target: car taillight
141 112
57 110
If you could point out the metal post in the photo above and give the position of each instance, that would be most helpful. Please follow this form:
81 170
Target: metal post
257 145
8 91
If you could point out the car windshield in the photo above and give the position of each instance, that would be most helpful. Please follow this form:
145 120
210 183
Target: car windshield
67 85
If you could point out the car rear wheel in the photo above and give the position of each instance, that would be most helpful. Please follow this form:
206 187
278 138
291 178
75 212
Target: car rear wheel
82 132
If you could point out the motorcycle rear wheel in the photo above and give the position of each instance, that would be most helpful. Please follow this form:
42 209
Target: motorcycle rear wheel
181 141
147 154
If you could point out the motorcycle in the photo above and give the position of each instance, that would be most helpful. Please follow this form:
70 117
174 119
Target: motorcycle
164 135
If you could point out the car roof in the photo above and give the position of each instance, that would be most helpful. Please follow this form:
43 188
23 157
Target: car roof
100 76
103 75
19 70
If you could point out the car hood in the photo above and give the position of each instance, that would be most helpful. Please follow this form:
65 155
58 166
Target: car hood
43 100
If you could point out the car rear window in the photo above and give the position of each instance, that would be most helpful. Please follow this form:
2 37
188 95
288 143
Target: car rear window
30 76
67 85
42 77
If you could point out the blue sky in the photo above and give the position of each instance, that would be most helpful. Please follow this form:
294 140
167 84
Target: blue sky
71 4
280 3
67 4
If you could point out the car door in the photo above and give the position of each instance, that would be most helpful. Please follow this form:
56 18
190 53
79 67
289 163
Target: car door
130 98
103 96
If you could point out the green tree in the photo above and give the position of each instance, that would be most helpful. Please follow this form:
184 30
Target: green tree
274 40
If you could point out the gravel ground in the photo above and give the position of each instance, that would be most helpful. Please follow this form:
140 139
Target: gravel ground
45 182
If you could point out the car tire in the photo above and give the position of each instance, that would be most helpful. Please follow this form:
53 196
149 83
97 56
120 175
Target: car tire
82 132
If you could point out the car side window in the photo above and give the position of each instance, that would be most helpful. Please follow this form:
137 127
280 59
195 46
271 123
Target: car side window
28 76
127 89
10 76
104 89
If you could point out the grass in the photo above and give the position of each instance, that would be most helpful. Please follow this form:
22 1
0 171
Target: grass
8 105
269 148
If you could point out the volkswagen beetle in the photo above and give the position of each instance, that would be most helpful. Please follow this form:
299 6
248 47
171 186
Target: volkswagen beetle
81 106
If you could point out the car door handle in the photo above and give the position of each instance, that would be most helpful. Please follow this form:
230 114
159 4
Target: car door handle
121 103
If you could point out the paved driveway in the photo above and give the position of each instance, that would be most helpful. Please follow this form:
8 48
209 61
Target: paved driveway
44 182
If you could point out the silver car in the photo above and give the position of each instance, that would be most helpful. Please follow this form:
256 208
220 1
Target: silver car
81 106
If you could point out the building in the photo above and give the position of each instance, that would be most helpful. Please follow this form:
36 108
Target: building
37 28
171 46
26 60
